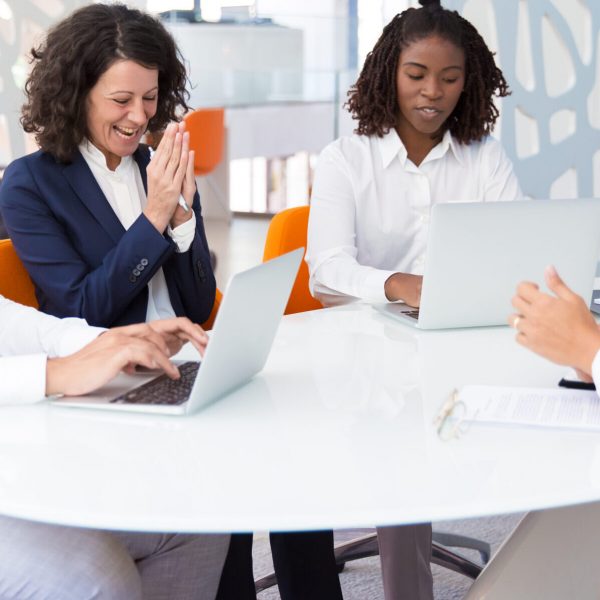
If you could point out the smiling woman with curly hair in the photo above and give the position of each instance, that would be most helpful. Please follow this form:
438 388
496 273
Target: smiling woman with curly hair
75 55
99 227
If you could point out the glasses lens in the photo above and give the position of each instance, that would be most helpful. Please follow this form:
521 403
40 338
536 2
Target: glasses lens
452 422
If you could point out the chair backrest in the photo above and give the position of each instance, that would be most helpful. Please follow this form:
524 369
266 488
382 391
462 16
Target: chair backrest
15 283
207 137
208 324
287 232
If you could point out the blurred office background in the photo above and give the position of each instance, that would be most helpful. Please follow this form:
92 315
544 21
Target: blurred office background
281 69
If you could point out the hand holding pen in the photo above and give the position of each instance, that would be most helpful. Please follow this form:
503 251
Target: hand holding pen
171 182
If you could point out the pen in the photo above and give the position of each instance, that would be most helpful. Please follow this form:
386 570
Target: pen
181 200
574 384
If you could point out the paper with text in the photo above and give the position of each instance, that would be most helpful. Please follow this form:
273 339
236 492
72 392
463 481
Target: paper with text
543 407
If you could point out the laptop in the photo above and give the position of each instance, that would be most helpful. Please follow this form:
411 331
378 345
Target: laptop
477 254
239 345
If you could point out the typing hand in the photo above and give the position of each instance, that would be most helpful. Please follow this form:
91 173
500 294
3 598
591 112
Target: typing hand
101 360
405 287
167 334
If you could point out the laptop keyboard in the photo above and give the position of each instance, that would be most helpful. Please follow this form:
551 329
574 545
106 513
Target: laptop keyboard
163 389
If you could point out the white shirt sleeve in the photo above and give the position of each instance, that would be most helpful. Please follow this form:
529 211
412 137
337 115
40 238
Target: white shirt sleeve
596 371
23 379
34 335
24 330
331 246
183 235
500 182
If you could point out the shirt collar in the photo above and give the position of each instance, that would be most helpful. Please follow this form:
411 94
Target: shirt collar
95 156
390 146
448 143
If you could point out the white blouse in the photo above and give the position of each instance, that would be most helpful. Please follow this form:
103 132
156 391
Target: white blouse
124 190
370 207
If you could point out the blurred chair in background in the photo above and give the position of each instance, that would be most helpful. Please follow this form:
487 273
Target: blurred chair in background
207 139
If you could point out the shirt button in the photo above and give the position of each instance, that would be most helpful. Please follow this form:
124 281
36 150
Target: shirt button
132 278
140 267
136 272
144 262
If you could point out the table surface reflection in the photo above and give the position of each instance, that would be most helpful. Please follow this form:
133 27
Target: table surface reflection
335 432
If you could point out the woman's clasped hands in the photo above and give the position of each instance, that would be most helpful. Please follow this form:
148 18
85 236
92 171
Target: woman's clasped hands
171 174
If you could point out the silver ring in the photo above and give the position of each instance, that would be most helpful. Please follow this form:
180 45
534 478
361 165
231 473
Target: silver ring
516 322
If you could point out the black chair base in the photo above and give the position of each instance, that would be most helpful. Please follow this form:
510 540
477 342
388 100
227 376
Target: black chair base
366 545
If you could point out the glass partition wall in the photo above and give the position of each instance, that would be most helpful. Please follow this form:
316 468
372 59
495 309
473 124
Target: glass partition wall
281 71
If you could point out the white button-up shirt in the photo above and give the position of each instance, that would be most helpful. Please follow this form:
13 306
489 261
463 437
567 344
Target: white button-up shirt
124 190
370 207
30 336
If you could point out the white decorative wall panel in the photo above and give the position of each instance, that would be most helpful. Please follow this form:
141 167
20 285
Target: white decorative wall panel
549 51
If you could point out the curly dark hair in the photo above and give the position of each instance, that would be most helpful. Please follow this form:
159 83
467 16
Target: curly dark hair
372 99
75 54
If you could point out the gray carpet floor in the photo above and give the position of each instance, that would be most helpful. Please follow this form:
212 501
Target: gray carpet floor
361 579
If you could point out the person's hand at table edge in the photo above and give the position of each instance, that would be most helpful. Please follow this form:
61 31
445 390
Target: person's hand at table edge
558 326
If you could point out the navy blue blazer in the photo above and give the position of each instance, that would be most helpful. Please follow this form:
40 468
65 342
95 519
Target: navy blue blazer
82 261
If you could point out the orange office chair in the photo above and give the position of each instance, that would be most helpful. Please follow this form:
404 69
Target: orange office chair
208 324
15 283
288 231
207 138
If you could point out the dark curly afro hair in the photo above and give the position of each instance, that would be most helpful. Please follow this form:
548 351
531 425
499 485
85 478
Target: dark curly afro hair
372 99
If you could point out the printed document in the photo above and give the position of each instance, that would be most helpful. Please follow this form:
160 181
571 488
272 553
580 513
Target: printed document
543 407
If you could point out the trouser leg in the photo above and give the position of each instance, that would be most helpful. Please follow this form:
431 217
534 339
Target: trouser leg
49 562
305 566
237 578
176 566
405 554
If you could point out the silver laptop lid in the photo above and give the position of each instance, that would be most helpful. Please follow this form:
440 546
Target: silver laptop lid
244 330
477 253
245 327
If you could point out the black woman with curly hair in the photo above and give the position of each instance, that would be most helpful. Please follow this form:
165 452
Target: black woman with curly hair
100 228
424 103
